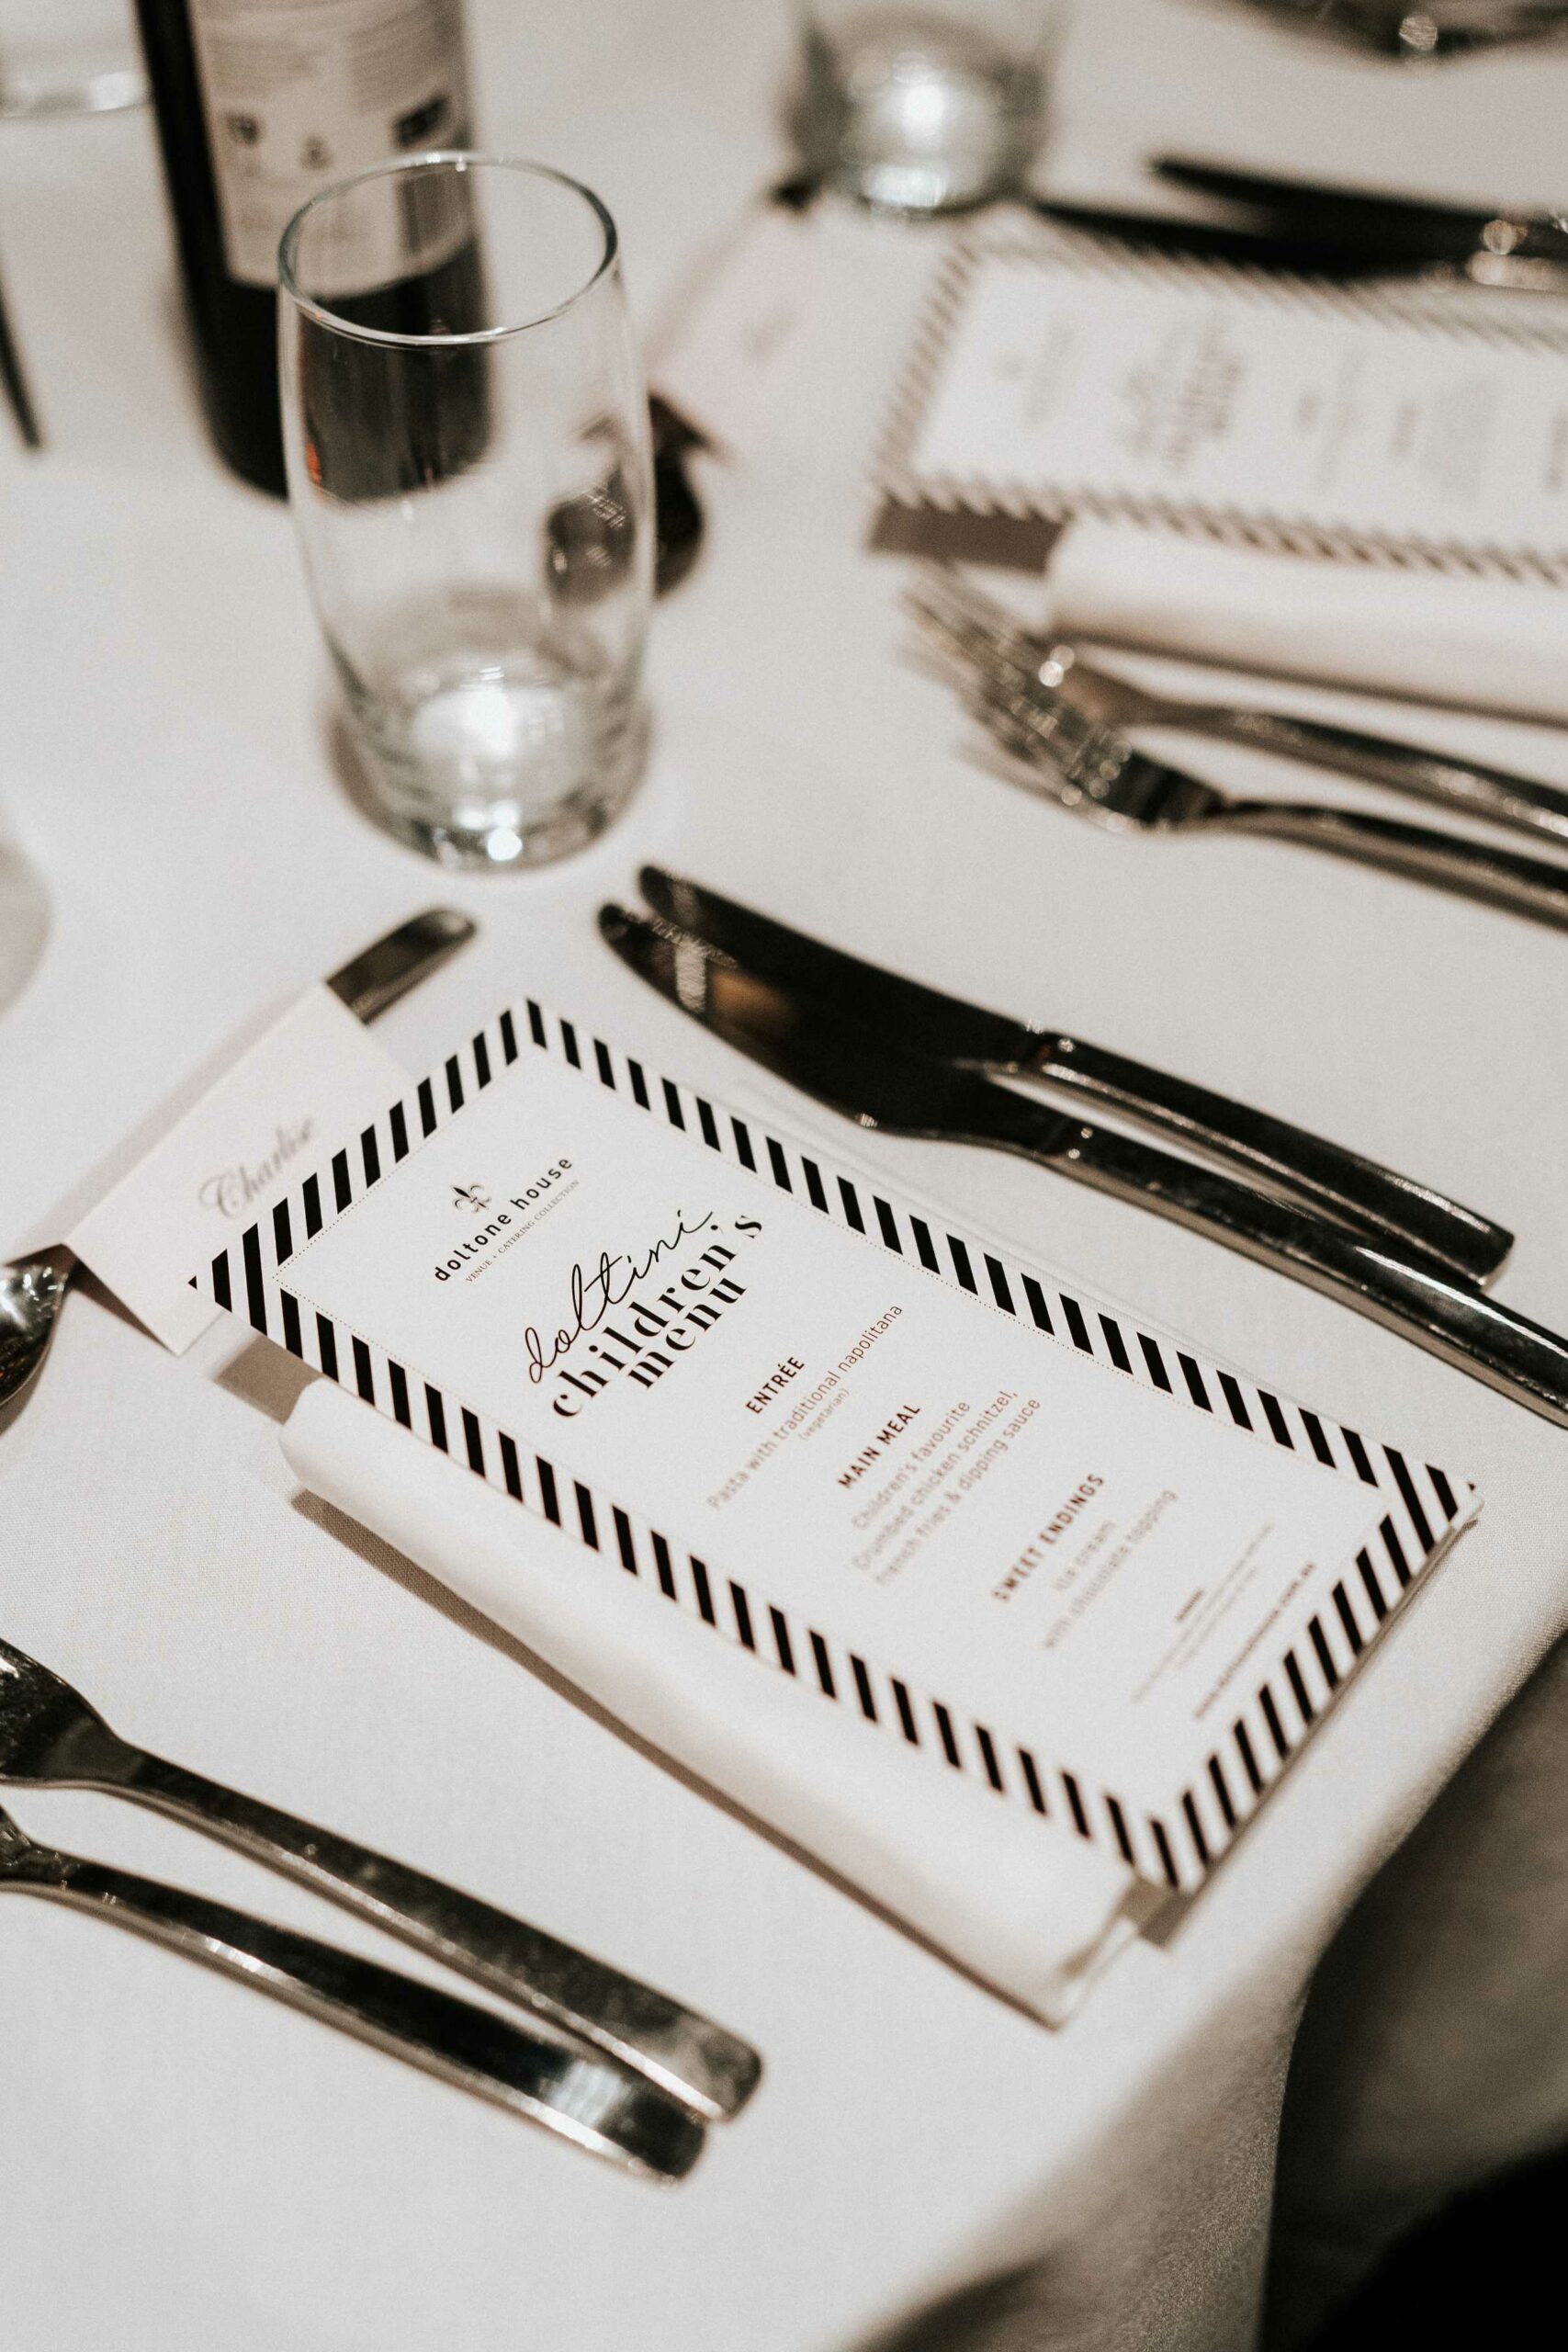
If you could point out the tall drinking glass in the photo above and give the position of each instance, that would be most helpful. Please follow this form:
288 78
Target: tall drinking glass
923 105
467 438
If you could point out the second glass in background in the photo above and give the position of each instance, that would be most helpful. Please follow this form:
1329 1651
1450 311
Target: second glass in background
923 109
468 452
66 57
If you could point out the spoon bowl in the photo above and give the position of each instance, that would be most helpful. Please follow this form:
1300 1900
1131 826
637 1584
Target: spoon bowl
31 1291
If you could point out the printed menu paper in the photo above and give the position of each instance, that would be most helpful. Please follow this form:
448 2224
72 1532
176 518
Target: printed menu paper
1051 377
753 1382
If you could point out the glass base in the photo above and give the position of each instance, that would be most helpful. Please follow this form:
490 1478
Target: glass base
496 837
918 191
110 92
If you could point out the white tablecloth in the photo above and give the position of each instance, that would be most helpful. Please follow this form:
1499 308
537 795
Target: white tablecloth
183 2165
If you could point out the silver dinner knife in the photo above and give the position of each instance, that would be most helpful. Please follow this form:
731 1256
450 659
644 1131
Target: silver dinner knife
1359 1192
874 1081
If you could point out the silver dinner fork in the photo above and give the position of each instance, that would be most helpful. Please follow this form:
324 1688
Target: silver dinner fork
585 2099
51 1737
983 637
1092 771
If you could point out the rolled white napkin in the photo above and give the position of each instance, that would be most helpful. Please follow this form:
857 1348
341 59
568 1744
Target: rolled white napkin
1026 1905
1480 644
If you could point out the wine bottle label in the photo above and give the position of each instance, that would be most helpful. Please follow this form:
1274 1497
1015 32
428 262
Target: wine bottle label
299 93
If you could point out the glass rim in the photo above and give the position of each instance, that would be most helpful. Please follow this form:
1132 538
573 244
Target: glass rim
460 159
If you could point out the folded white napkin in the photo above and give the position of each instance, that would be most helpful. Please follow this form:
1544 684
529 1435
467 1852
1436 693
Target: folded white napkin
1482 644
1024 1904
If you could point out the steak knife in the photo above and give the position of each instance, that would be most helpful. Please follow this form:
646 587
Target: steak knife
1359 1191
875 1081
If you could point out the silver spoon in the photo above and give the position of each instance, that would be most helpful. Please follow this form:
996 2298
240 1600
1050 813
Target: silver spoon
31 1293
33 1289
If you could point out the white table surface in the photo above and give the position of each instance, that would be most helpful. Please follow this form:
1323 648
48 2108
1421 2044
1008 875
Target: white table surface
184 2166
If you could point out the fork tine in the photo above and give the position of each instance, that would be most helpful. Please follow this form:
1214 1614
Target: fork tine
979 644
960 666
1030 760
1015 761
996 669
943 586
971 646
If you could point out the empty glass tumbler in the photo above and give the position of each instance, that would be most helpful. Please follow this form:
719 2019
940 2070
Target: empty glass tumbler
923 109
468 445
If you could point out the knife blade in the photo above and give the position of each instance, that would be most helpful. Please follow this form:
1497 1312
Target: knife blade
1327 1176
871 1080
1509 246
1442 28
375 978
1219 241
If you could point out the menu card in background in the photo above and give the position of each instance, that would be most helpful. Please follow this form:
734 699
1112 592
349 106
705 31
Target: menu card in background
1052 376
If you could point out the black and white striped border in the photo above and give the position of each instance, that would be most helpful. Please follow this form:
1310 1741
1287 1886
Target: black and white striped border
1422 1507
1085 253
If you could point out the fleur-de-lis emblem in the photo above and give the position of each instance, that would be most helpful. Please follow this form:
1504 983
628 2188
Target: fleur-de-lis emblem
472 1197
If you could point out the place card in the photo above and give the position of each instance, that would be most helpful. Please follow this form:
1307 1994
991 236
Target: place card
717 361
1055 375
217 1162
1018 1536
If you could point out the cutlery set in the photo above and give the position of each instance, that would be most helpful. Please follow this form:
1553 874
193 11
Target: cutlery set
613 2065
894 1055
1064 725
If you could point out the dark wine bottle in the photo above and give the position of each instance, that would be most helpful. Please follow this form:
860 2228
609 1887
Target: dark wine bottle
258 107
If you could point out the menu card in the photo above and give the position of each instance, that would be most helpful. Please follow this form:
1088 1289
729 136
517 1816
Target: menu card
1111 1581
1053 374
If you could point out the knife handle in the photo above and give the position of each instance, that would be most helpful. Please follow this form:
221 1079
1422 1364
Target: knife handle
686 2057
1418 1298
592 2104
1360 1192
1524 885
374 980
1462 786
